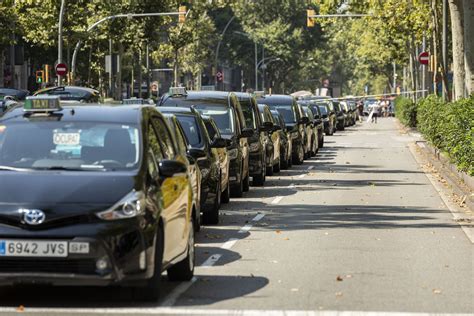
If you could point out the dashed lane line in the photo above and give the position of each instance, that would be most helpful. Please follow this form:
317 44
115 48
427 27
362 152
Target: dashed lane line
277 200
171 299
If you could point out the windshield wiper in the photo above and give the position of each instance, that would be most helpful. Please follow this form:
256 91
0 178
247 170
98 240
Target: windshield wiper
60 168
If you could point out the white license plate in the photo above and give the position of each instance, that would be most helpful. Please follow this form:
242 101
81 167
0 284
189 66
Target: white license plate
33 248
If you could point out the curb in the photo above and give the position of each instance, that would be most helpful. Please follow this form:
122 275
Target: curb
461 183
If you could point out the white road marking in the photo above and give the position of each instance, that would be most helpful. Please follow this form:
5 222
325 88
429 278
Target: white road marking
211 261
171 299
258 217
310 167
213 312
229 243
301 176
277 200
291 186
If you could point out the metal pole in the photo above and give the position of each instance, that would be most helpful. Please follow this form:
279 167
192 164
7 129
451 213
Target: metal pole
445 46
148 74
394 86
423 69
110 70
263 69
404 85
216 63
256 67
60 38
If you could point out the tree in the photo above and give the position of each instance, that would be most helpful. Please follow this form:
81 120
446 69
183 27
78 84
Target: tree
457 17
468 10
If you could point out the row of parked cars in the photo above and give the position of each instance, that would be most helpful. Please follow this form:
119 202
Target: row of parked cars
100 194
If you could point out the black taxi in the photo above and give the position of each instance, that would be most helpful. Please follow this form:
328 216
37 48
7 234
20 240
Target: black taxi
92 195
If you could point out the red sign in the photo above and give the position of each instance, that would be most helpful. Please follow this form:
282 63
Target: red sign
424 58
61 69
220 76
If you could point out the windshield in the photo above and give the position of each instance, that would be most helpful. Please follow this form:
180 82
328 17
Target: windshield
323 109
69 145
223 116
191 129
286 111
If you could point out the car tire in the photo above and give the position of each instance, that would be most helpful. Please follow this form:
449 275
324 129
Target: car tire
298 159
277 166
184 270
284 164
270 171
225 198
151 290
237 192
211 217
321 143
246 187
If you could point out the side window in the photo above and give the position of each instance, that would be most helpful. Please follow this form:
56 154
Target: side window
210 130
180 138
164 137
154 143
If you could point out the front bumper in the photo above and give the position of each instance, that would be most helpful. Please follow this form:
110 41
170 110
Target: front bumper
123 245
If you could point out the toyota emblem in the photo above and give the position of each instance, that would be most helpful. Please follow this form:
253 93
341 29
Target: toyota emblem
33 217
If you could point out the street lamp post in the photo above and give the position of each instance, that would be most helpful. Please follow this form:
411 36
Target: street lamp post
113 17
60 37
216 63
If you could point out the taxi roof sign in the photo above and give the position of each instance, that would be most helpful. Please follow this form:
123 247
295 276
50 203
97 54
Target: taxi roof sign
178 91
43 103
133 101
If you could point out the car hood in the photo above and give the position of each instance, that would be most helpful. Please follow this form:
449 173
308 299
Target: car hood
61 194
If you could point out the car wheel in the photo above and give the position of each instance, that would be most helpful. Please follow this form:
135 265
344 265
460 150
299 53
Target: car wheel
238 190
184 270
321 143
299 157
283 162
225 198
211 216
247 183
277 166
270 171
151 290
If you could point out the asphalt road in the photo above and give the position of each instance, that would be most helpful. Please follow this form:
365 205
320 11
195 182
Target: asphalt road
358 229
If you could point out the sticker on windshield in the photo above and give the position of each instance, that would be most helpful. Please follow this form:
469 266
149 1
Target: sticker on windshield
68 139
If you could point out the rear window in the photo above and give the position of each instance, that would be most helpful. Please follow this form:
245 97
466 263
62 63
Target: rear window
190 127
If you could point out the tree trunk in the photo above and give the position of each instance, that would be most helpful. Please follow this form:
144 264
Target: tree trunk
1 67
468 10
455 7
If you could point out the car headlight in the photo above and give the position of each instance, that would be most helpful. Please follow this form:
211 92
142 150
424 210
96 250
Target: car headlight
254 147
233 153
132 205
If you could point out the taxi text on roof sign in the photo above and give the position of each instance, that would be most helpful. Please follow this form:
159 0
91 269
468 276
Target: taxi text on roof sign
42 104
178 91
133 101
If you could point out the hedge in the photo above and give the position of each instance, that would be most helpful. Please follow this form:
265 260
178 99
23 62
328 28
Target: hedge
449 126
405 110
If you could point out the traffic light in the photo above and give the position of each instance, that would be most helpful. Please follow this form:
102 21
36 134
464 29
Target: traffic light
46 73
182 14
310 18
40 76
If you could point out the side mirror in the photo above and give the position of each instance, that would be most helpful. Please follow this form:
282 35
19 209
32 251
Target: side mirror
267 126
191 159
219 143
196 153
169 168
304 120
247 132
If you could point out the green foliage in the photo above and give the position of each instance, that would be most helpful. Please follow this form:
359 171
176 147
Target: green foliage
450 127
406 111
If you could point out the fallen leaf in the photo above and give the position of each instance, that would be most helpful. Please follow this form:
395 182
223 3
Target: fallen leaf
436 291
348 276
326 234
338 294
294 290
278 232
286 238
20 309
251 275
339 278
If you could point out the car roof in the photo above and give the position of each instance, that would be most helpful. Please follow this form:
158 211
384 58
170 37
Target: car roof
87 113
67 88
277 98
